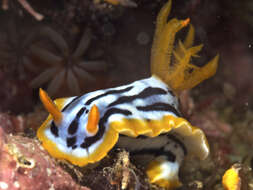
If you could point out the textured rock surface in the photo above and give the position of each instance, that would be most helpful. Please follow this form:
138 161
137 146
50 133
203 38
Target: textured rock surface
24 165
11 124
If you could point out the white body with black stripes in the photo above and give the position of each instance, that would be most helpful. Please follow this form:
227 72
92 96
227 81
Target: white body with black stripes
148 99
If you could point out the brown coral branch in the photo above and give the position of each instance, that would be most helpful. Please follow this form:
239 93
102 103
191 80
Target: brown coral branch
5 5
27 7
30 10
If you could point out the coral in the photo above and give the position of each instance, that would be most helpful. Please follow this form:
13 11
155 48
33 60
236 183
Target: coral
27 7
238 66
11 124
211 124
33 119
116 172
15 94
15 47
25 165
121 174
66 67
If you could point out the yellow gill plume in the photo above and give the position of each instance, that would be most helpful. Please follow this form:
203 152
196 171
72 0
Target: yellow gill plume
163 43
51 107
172 63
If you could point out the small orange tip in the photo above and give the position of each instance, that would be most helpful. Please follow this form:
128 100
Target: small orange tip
93 119
185 22
50 106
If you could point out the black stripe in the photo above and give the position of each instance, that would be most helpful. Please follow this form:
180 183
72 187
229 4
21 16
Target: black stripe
170 156
73 127
108 93
74 146
159 107
171 92
149 91
66 106
71 141
74 124
91 140
142 137
175 139
138 137
80 112
54 129
156 152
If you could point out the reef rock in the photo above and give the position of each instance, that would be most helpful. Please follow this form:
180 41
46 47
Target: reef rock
24 165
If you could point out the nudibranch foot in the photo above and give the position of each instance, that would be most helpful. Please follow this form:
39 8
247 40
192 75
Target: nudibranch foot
164 174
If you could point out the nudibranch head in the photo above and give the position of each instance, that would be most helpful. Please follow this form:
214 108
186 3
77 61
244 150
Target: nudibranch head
71 132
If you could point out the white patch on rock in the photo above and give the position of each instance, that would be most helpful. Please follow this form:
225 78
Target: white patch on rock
3 185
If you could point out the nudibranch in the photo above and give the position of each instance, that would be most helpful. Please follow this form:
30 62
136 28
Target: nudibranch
143 117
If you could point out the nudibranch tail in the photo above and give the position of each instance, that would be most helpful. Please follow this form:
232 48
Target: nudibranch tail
174 66
50 106
93 119
156 171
